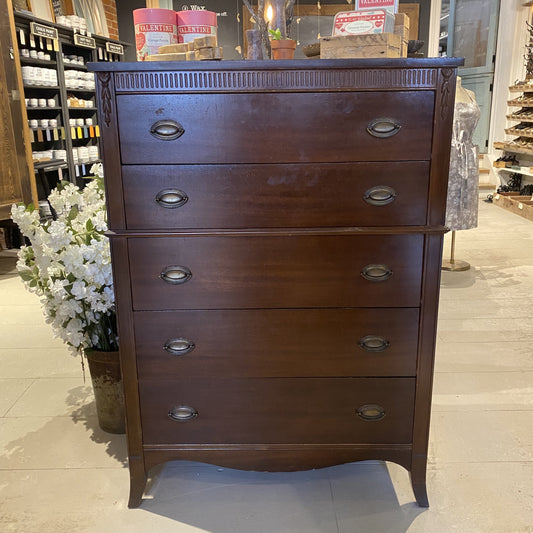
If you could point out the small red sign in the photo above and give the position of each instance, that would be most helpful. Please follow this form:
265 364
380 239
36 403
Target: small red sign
390 5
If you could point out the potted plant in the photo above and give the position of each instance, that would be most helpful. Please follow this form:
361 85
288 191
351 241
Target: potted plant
282 48
68 264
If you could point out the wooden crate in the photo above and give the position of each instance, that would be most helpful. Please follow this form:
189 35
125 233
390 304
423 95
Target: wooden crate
360 46
519 205
401 28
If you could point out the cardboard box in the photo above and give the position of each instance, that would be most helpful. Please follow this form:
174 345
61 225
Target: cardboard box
360 46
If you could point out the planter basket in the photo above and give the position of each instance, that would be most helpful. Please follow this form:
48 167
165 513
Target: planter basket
108 390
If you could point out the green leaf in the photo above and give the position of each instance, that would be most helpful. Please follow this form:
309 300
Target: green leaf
275 34
89 225
33 283
26 275
73 213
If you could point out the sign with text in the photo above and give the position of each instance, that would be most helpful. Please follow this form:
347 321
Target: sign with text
43 31
83 40
114 48
389 5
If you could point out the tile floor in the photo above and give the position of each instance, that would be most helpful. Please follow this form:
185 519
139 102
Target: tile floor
59 472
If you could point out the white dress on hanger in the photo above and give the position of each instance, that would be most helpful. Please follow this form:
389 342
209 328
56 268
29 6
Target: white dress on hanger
463 179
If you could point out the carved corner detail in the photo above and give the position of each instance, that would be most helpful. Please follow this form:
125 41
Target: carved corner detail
445 91
103 79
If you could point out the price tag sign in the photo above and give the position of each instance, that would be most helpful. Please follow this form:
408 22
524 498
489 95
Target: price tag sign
43 31
114 48
83 40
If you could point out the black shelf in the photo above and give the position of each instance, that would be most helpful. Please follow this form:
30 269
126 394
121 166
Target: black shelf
61 111
51 165
42 87
67 66
56 108
80 91
41 62
91 109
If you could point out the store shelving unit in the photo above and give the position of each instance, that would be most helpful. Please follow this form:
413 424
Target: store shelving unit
518 176
66 135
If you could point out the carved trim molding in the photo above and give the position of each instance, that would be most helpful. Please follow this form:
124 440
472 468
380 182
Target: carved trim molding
259 80
103 79
445 92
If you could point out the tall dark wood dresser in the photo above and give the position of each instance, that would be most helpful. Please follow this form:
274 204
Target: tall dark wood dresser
276 232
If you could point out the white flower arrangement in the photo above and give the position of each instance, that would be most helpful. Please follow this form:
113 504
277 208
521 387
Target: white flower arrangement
68 264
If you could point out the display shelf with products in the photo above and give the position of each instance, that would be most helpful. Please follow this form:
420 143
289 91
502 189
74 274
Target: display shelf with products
516 162
60 99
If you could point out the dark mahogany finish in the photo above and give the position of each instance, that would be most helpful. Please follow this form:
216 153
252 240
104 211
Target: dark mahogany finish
279 342
234 128
280 272
277 196
289 410
276 233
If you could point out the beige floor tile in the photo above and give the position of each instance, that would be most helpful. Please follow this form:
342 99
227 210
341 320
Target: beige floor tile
478 391
56 397
21 315
39 362
469 498
485 330
12 292
229 501
36 337
10 391
29 443
480 436
366 499
486 308
60 501
483 357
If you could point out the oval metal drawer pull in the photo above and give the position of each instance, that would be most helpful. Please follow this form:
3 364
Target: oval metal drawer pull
171 198
183 413
167 130
176 274
376 272
380 195
371 412
383 127
374 343
179 346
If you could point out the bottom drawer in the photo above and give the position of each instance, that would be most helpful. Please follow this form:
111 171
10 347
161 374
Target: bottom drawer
278 410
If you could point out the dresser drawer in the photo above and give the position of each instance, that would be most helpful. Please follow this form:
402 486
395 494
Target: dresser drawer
303 195
275 127
297 410
228 272
277 343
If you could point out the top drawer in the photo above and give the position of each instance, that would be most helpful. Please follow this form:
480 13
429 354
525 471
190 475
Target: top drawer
275 127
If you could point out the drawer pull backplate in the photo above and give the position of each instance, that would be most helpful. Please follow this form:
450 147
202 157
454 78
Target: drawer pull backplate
374 343
371 412
175 274
380 195
167 130
179 346
376 272
383 127
171 198
183 413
